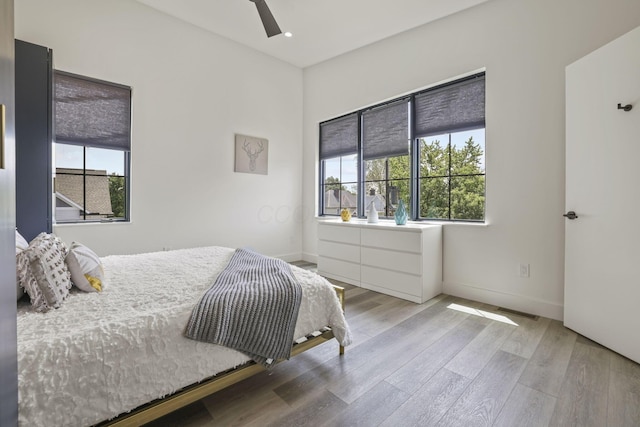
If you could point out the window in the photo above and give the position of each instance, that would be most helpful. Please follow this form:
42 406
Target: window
339 164
451 178
92 149
385 151
426 149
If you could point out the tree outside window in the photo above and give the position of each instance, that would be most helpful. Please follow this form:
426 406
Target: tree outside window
452 176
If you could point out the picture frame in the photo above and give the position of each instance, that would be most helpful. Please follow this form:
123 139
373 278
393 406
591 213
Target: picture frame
251 154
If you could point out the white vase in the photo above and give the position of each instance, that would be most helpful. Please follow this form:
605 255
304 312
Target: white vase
372 215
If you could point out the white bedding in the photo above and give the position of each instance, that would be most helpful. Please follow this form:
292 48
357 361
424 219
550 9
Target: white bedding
103 354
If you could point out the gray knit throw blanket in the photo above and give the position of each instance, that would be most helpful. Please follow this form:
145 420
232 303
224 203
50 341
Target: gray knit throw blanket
252 307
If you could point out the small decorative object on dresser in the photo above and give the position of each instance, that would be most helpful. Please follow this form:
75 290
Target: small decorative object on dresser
401 214
372 215
345 214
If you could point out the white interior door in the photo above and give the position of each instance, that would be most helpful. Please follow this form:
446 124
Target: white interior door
602 245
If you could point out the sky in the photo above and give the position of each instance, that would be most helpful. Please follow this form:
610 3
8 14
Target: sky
71 156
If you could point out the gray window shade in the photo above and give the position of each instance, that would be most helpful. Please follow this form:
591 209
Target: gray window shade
91 112
451 108
385 131
339 137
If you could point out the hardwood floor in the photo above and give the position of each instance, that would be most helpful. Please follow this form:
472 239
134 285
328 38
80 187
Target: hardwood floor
447 362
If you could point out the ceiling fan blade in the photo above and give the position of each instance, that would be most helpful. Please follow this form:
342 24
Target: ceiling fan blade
269 22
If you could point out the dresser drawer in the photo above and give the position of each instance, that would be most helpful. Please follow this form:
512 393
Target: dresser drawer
339 269
394 281
394 240
399 261
337 233
341 251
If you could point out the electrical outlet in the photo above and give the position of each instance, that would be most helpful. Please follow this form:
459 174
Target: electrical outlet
523 270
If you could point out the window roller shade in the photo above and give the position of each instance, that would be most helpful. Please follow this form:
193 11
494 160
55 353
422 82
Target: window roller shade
92 113
386 131
452 108
339 137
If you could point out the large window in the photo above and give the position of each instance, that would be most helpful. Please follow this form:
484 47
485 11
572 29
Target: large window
92 125
426 149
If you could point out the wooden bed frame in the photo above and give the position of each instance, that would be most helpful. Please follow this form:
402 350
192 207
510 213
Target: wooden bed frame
193 393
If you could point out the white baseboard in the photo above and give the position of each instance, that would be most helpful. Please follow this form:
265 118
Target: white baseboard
310 257
522 303
290 257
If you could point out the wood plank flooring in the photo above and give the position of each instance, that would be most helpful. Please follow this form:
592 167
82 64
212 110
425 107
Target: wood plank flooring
448 362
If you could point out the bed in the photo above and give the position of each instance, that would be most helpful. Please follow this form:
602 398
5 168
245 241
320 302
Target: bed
103 354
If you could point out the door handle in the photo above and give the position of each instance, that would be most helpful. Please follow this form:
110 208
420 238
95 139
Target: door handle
571 215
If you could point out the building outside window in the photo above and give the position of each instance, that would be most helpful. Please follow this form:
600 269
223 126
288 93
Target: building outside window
92 149
340 186
426 149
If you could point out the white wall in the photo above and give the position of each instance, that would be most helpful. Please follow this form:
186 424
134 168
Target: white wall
524 45
192 91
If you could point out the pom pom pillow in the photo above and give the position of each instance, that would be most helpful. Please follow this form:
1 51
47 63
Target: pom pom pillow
42 272
21 245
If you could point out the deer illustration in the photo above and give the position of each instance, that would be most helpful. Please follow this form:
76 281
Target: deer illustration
252 153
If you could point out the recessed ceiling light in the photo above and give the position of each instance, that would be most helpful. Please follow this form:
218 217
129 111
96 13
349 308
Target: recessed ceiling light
288 34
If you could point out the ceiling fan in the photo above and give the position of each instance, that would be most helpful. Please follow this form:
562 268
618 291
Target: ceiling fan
269 22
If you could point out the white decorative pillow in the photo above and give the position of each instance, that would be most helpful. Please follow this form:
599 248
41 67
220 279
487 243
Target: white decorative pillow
90 264
21 243
50 281
77 275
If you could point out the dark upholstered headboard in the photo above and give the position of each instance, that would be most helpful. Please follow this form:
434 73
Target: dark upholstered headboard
33 139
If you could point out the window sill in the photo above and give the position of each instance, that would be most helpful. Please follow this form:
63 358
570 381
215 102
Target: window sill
390 223
85 223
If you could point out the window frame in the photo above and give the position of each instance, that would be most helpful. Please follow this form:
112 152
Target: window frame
414 143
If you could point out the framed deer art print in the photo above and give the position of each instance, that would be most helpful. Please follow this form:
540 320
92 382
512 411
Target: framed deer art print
252 154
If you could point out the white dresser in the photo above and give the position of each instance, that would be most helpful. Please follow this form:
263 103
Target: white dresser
403 261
